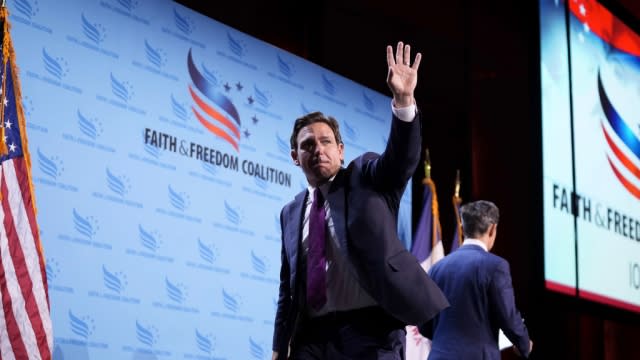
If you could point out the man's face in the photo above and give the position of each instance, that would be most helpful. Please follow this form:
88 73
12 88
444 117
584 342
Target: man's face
318 153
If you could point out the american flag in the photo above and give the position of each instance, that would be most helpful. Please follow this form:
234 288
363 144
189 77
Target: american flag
25 322
427 247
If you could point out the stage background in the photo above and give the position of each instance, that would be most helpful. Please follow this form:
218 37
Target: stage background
160 149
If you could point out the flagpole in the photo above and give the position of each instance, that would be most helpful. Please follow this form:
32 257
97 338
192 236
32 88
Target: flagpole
457 187
4 3
427 164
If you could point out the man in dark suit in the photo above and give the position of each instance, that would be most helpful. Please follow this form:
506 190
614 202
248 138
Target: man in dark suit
370 285
478 285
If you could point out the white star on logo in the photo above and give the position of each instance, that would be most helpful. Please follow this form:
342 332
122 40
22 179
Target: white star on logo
582 9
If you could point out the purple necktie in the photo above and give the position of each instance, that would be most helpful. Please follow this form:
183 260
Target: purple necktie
316 262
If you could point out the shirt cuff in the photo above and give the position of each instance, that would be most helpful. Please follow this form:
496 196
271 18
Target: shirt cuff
407 113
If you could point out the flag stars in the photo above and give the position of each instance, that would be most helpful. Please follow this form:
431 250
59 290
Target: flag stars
12 147
250 100
227 87
239 86
5 101
254 119
582 9
247 133
8 124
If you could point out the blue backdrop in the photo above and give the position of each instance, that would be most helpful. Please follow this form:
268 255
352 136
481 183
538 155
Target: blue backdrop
160 148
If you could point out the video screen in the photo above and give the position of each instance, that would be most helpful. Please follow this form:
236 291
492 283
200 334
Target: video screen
590 76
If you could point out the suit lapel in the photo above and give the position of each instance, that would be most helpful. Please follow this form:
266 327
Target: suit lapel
293 233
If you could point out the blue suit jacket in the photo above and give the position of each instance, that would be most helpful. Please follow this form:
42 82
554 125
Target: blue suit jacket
478 285
364 199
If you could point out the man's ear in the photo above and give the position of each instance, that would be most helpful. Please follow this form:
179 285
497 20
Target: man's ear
294 156
492 230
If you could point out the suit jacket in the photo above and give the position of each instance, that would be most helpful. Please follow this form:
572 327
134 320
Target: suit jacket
364 200
478 285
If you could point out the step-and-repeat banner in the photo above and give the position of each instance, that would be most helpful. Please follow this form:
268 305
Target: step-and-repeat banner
160 148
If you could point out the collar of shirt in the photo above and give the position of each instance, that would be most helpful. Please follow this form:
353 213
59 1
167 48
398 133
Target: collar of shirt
475 242
324 188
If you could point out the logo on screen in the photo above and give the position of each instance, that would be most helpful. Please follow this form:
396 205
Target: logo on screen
155 55
232 214
623 144
179 109
259 263
52 268
350 132
286 68
368 102
147 335
82 326
119 184
91 127
237 47
205 342
328 85
149 239
183 23
128 5
114 281
121 89
215 111
51 166
27 9
208 253
284 147
93 31
261 96
257 350
231 302
177 292
209 168
56 66
85 225
27 107
149 148
179 200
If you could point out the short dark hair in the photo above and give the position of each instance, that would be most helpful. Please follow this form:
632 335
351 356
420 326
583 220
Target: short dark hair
477 216
312 118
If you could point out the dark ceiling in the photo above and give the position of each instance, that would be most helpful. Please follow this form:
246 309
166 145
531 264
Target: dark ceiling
348 37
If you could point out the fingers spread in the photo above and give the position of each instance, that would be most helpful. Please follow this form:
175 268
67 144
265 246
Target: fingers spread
390 60
416 62
399 52
407 55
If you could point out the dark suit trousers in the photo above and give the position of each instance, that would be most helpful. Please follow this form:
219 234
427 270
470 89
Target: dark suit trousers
362 334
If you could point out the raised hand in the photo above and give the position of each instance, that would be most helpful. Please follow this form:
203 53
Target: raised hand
402 77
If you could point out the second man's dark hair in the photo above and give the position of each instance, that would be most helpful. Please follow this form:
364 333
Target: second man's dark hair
477 216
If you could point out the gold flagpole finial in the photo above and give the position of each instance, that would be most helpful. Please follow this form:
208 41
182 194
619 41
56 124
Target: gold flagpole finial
427 164
457 188
4 3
